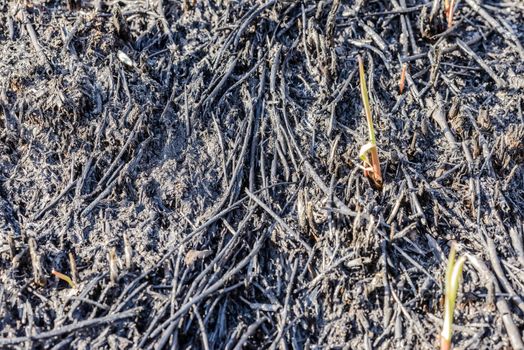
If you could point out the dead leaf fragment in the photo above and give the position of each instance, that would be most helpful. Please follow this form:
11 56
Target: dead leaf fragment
193 255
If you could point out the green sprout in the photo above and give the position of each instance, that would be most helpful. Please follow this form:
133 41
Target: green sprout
371 166
453 275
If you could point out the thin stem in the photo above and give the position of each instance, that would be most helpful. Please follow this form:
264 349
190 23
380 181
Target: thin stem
365 101
403 77
449 270
377 174
453 275
449 14
64 278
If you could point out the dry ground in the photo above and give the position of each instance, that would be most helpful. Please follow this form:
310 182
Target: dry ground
198 162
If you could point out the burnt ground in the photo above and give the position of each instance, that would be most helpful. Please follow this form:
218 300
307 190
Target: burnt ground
193 165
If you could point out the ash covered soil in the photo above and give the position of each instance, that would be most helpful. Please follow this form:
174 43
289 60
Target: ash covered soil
193 166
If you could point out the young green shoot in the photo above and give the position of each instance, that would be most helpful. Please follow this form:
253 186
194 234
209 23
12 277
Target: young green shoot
371 165
64 278
453 276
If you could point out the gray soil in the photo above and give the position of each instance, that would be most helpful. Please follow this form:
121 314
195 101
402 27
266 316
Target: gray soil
193 166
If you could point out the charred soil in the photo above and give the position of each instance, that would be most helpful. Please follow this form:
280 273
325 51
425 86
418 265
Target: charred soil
194 167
